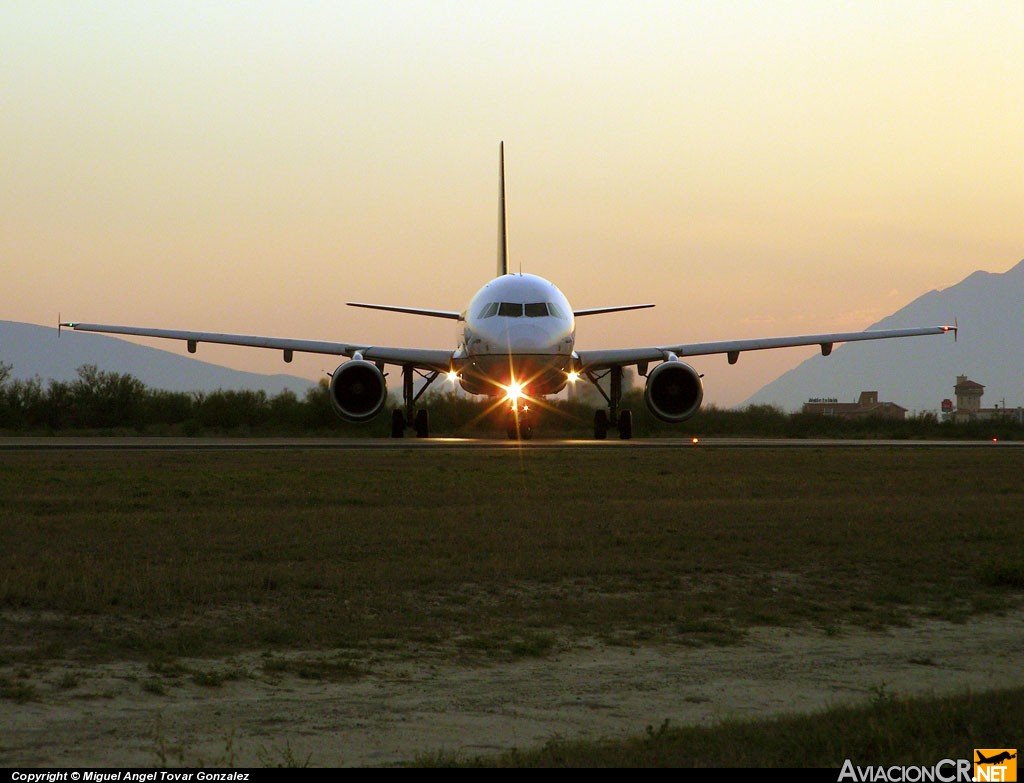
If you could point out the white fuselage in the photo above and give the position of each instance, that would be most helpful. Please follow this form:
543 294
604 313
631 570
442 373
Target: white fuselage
518 329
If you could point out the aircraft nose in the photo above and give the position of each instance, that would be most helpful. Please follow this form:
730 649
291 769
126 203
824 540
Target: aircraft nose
514 336
527 338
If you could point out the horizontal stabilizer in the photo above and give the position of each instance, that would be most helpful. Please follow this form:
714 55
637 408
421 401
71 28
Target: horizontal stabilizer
618 308
413 310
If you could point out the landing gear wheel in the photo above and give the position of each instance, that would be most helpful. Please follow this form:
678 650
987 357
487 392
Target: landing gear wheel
519 426
397 424
600 424
625 424
511 426
422 424
525 427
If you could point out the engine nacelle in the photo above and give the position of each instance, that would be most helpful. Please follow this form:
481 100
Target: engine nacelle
674 391
358 390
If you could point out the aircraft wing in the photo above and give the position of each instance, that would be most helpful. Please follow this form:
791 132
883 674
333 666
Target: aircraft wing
423 358
601 359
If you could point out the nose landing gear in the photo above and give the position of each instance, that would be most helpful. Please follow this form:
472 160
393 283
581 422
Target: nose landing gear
519 423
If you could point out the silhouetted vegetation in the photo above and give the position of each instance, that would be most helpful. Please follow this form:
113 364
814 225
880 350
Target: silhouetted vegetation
111 403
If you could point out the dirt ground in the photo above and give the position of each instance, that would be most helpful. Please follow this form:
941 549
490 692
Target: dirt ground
106 715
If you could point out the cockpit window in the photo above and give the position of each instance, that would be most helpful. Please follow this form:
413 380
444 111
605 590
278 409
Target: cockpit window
516 310
536 309
510 309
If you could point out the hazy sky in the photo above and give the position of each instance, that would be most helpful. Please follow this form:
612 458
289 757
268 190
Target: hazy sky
753 168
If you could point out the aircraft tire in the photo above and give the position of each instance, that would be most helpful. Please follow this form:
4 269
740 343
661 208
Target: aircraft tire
625 424
422 423
600 424
397 424
525 428
511 426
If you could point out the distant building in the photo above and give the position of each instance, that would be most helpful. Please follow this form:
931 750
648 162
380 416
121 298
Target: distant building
867 405
968 404
968 395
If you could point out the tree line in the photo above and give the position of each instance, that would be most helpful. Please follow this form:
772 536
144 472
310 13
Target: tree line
104 402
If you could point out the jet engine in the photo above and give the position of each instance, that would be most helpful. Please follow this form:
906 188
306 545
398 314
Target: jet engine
358 390
674 391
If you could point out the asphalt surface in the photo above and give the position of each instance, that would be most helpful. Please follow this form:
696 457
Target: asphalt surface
294 444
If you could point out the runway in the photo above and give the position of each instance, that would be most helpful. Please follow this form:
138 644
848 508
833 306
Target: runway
333 444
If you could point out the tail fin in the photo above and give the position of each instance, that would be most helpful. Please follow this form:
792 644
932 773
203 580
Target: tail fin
502 233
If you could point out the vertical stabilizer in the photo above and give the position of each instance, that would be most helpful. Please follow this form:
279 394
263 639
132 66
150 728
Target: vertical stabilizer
502 234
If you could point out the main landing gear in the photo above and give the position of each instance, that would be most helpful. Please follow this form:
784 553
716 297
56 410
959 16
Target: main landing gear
612 417
408 416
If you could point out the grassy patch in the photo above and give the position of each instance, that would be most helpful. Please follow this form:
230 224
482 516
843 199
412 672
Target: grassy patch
68 681
214 678
886 731
154 685
18 690
492 554
1002 573
329 669
507 647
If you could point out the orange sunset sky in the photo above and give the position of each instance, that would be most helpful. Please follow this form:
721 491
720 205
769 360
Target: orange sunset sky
755 169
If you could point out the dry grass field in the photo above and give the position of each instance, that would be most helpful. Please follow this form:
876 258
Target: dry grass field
179 576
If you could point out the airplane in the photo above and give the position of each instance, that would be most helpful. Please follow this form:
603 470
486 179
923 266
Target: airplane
996 759
517 345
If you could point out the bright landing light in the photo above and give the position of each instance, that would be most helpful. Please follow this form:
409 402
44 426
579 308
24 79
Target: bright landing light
572 376
453 377
513 392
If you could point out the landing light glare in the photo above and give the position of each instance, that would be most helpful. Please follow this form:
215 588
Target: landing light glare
513 392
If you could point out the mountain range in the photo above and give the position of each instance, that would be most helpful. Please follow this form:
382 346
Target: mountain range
918 373
36 351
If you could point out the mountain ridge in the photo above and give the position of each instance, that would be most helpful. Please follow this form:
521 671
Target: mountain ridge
35 351
918 373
